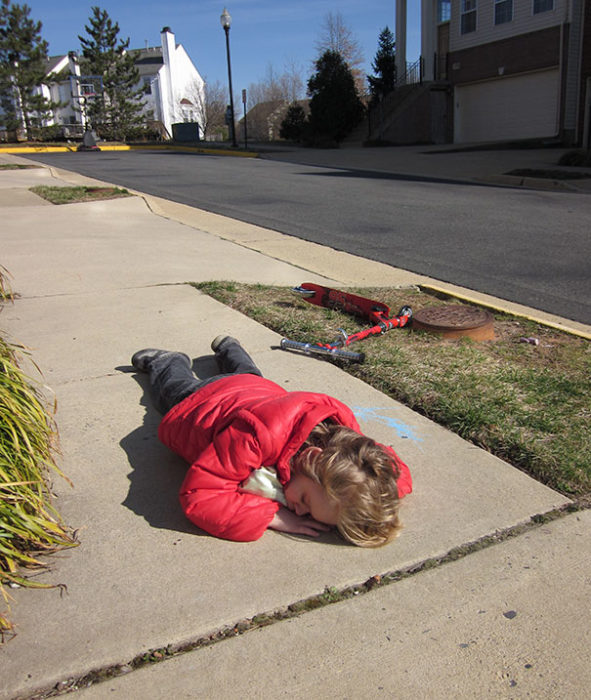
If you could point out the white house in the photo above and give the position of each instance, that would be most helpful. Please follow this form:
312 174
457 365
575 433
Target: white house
517 69
174 91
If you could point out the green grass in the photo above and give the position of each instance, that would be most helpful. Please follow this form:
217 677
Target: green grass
29 525
17 166
69 195
527 404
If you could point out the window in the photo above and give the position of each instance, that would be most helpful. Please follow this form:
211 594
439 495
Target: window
543 6
503 11
443 10
147 85
468 16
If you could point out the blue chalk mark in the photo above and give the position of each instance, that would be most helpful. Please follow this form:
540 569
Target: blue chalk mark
373 414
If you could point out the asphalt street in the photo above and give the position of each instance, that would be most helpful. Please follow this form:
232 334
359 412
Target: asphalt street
525 246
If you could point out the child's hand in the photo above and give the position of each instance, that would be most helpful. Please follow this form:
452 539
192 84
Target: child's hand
286 520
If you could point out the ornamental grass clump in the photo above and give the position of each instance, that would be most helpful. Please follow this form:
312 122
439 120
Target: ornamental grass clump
5 288
29 525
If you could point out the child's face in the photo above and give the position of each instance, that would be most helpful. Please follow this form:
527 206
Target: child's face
306 497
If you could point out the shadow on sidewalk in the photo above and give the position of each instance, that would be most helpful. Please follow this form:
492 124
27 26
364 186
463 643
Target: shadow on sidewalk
157 473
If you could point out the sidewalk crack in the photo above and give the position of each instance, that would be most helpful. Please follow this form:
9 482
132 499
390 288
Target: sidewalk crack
298 608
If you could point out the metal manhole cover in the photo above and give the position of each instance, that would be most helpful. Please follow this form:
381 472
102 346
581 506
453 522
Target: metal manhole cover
455 321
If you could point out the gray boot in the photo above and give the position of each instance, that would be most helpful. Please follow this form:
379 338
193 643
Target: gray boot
142 359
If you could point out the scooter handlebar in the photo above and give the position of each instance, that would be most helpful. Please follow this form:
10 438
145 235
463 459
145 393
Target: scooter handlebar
312 349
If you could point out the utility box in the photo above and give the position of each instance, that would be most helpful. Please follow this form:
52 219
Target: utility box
185 132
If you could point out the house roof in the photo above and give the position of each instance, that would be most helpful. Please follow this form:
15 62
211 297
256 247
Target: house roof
148 60
265 110
151 54
53 62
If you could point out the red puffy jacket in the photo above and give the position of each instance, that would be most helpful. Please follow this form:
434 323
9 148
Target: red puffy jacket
238 424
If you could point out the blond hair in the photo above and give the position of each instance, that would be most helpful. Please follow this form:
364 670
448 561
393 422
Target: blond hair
359 477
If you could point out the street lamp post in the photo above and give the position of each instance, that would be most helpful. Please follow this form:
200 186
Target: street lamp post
226 21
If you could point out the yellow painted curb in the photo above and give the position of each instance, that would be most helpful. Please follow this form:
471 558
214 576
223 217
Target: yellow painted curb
37 149
500 309
124 147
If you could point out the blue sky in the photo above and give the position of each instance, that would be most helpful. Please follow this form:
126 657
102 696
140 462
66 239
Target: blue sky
263 32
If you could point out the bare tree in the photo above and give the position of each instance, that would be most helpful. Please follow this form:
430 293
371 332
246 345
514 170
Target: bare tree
266 89
269 99
293 84
210 101
336 36
286 87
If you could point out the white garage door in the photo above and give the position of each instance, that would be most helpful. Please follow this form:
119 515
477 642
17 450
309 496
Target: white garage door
518 107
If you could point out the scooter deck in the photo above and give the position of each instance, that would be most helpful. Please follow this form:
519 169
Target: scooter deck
343 301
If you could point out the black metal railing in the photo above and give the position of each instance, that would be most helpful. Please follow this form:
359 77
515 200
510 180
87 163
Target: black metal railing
413 75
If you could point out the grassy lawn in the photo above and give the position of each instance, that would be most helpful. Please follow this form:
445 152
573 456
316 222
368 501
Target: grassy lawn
69 195
17 166
527 404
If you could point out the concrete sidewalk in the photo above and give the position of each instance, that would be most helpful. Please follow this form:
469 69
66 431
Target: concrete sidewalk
447 164
98 281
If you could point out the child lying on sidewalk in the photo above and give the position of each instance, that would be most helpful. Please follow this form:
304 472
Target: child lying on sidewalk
262 457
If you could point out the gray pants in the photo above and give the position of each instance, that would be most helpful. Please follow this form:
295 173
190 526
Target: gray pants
172 379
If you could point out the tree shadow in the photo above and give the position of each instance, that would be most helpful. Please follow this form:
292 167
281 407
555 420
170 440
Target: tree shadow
343 172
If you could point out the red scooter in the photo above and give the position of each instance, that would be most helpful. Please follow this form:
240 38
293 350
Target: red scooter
377 313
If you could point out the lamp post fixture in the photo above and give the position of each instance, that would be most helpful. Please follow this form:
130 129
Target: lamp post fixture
226 21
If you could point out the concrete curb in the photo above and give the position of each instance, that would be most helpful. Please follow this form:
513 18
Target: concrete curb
164 147
320 260
532 183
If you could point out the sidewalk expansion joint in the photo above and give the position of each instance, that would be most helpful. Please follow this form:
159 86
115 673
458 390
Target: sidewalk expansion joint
329 596
17 296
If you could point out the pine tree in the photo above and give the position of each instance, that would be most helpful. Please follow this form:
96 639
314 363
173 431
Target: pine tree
294 124
23 65
335 107
384 65
118 108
